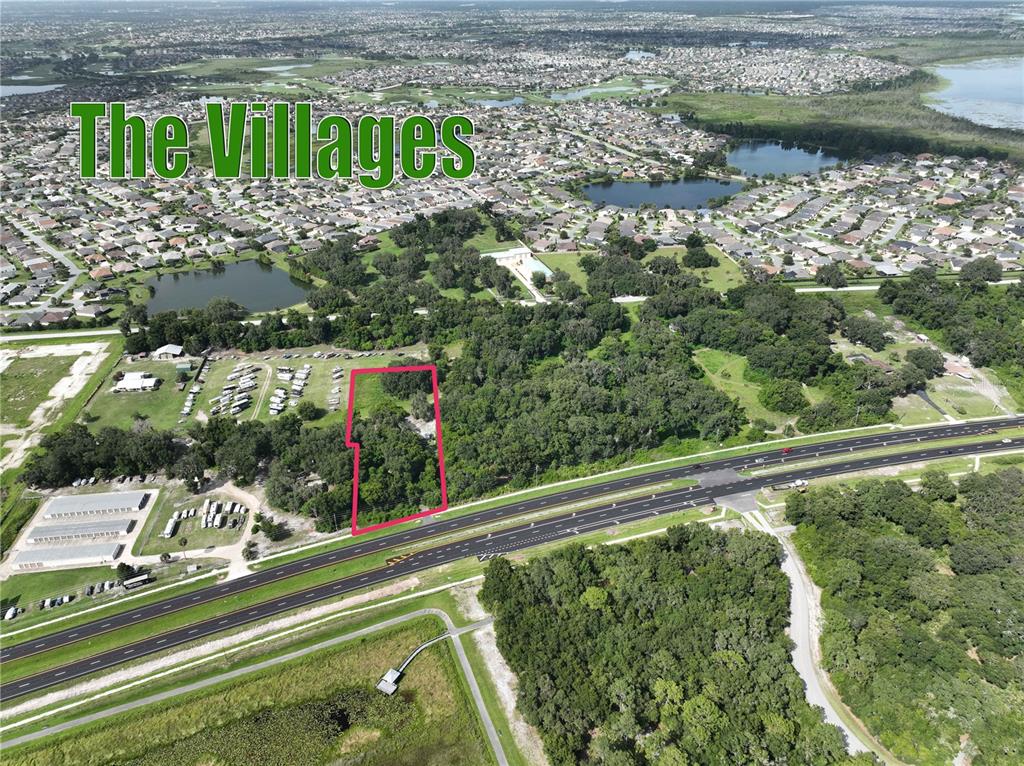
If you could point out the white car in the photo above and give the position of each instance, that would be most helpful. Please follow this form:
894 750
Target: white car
1007 441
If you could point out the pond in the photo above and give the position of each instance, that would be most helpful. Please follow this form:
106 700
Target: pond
283 69
497 102
21 90
582 93
756 158
255 285
987 92
687 193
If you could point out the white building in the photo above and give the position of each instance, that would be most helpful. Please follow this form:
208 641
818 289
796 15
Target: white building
168 351
137 381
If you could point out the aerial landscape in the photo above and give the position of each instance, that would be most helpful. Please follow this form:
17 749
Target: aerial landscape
512 383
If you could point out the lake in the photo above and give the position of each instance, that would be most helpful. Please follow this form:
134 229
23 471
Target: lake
987 92
597 90
497 102
254 285
21 90
687 193
756 158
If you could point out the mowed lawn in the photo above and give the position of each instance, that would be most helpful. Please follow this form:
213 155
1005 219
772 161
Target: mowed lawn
161 408
567 262
722 277
26 383
27 590
287 714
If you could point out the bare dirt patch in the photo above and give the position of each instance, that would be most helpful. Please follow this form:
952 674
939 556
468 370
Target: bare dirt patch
504 680
90 357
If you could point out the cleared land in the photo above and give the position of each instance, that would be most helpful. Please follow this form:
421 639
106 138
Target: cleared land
567 262
26 383
320 709
727 372
722 277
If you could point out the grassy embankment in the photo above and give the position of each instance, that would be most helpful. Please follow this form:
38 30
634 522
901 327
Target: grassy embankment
291 714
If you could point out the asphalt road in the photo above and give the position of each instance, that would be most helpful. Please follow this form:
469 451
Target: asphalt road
483 545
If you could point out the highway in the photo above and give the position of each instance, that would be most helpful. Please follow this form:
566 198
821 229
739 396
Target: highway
485 545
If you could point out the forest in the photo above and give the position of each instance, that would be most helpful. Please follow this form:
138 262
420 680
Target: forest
923 599
785 336
531 389
668 651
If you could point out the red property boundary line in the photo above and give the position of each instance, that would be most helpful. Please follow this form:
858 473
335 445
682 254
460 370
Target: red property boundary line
353 445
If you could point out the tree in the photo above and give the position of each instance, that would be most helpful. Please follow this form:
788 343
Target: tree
307 410
830 275
929 360
981 270
699 258
936 485
783 395
616 664
539 280
865 332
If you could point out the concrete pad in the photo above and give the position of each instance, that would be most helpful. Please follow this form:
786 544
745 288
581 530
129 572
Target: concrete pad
715 478
743 502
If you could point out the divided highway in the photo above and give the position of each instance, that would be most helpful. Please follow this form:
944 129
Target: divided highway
487 544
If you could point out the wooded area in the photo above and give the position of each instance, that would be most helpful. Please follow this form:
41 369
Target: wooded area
924 606
665 651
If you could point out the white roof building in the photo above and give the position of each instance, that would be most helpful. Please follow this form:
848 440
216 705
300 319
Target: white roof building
137 381
68 556
168 351
69 506
83 530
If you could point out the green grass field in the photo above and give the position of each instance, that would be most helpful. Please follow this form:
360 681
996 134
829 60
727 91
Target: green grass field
914 411
567 262
726 372
290 714
722 277
26 383
942 49
160 408
26 590
884 115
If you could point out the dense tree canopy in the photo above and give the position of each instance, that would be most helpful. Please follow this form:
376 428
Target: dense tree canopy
666 651
924 607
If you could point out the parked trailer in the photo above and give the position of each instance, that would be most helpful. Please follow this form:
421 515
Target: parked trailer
137 581
171 528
